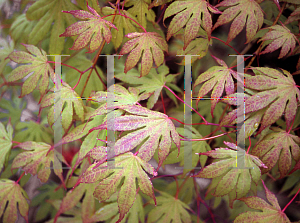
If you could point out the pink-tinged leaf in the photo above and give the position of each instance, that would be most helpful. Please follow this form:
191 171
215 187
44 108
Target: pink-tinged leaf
192 14
151 44
13 194
281 36
276 147
39 67
91 31
127 166
238 12
294 16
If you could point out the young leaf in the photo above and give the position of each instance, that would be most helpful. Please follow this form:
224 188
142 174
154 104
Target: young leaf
233 181
270 213
36 160
88 31
151 44
294 16
126 165
158 130
48 14
12 108
13 193
38 65
279 94
65 95
216 78
169 209
192 14
239 11
278 146
280 36
5 143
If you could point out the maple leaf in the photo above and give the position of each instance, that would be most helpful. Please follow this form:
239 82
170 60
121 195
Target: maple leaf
192 14
126 165
13 193
123 25
169 209
278 146
280 36
278 92
88 31
216 78
65 96
151 44
48 16
5 143
36 160
140 10
238 12
6 48
270 213
38 65
294 16
158 131
12 108
21 28
233 181
152 83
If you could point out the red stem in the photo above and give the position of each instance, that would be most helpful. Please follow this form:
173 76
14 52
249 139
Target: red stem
291 201
15 142
67 66
162 100
249 145
20 177
203 139
202 123
291 124
206 123
226 44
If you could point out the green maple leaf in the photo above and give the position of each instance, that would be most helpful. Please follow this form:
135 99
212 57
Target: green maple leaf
232 181
49 16
12 108
13 193
278 92
65 96
192 14
216 78
140 10
6 48
280 36
21 28
38 65
239 11
129 166
5 143
123 25
270 213
278 146
88 31
153 83
169 209
158 131
151 44
36 160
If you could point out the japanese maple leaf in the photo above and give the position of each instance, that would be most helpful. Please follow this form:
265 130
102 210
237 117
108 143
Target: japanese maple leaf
92 31
128 166
216 78
192 14
239 11
13 193
235 182
278 92
5 143
280 36
39 67
151 44
268 213
169 209
278 146
158 129
37 159
294 16
65 96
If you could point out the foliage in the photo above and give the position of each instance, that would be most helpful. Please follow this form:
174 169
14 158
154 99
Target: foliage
137 156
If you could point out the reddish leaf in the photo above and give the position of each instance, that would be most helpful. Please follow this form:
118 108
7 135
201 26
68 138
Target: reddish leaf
239 12
294 16
151 44
91 31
